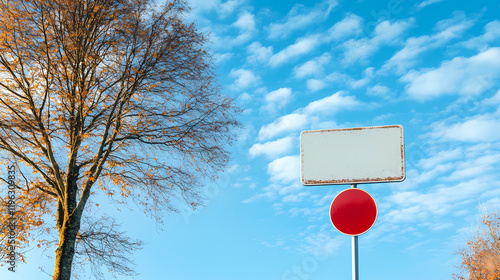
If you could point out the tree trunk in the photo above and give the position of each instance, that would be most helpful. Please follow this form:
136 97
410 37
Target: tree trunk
66 249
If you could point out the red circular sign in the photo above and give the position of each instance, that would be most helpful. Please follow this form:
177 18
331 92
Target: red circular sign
353 212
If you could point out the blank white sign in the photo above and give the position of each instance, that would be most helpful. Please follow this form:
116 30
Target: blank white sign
352 155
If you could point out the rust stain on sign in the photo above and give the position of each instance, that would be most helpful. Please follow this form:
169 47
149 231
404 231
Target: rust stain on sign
347 182
353 155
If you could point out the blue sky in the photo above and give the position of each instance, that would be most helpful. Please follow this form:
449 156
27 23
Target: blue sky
432 66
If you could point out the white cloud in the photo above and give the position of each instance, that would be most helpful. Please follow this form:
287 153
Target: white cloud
246 24
406 57
296 197
266 194
483 165
316 84
245 97
332 104
347 81
428 2
284 170
367 76
381 91
284 180
351 25
420 177
477 129
491 34
324 243
461 75
246 21
259 53
412 206
386 32
294 188
228 7
306 116
276 100
317 124
312 66
453 27
330 5
243 78
294 22
358 50
447 30
222 57
494 100
279 96
222 9
301 46
299 19
239 32
287 123
273 148
342 79
440 158
204 5
431 167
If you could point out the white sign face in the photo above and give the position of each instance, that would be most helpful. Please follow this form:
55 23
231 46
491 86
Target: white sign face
352 155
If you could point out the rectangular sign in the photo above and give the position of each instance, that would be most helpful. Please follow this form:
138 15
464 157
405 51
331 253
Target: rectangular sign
352 155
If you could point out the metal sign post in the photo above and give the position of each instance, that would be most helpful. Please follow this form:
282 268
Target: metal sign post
355 266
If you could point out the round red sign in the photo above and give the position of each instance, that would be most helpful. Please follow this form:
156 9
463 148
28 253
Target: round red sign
353 211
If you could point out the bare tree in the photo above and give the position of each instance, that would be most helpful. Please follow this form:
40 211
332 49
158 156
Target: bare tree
115 92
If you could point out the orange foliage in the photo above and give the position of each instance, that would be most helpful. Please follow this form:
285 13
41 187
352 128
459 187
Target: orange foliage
27 214
481 255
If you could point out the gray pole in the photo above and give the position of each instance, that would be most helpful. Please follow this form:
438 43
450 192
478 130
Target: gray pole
355 264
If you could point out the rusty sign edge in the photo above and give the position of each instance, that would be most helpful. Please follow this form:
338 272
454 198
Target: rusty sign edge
356 181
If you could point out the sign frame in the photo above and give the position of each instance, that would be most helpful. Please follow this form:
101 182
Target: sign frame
351 155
